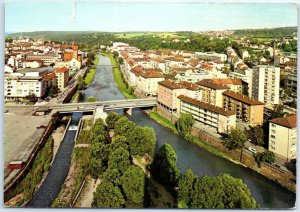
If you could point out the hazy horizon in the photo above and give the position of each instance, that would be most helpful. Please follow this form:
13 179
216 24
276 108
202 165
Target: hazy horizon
146 17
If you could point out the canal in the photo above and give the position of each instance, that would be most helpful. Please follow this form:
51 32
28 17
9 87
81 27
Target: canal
59 169
267 193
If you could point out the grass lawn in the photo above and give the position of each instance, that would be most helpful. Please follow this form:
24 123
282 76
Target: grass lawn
75 95
96 61
163 121
90 76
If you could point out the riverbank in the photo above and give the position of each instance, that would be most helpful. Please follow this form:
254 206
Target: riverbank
117 74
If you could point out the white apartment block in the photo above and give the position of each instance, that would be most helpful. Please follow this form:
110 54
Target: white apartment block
283 137
210 56
265 84
216 117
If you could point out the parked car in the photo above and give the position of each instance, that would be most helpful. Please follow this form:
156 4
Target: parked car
251 149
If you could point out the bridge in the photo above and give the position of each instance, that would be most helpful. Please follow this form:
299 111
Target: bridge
126 104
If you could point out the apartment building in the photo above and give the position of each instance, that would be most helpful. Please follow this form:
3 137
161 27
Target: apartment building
283 137
168 91
147 82
212 92
245 108
265 84
211 56
24 82
216 117
290 82
62 76
46 58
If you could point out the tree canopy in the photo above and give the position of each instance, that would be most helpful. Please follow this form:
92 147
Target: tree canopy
111 119
164 167
256 135
119 159
184 123
108 196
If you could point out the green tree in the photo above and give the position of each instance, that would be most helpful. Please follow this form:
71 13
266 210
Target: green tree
98 154
256 135
116 54
81 83
236 140
277 112
113 176
31 98
91 99
121 60
266 156
185 187
108 196
184 123
164 167
221 192
111 119
124 126
141 140
133 184
119 159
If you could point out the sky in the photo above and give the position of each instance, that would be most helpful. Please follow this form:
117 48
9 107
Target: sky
119 17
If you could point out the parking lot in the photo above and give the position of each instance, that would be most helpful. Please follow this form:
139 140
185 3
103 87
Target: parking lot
21 131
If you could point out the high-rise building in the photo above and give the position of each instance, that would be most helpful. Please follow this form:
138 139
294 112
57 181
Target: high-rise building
265 84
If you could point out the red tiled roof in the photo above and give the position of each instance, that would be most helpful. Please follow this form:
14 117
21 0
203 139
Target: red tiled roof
289 121
49 76
190 86
171 85
228 81
152 74
210 84
242 98
207 106
61 70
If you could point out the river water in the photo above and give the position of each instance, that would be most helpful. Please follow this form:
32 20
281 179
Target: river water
59 169
267 193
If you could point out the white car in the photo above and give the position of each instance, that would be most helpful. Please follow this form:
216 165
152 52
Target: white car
251 149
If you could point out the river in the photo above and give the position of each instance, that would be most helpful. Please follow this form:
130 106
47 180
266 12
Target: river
267 193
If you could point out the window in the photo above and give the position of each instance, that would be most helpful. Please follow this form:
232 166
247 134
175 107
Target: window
273 136
273 125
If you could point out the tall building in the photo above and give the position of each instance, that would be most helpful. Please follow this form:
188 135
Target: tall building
265 84
283 136
62 76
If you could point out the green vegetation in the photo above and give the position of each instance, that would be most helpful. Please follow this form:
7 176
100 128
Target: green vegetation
266 156
90 76
164 168
266 33
220 192
163 121
236 140
92 99
256 135
184 123
40 166
111 119
81 83
85 133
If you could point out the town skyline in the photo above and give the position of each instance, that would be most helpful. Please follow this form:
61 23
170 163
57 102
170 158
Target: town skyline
159 17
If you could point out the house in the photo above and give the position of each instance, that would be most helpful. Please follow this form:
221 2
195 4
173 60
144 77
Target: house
148 80
210 115
283 137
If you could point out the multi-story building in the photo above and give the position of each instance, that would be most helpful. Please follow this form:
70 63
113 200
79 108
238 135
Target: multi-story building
283 137
46 58
210 56
245 108
26 82
265 84
168 91
212 92
147 82
216 117
62 76
290 82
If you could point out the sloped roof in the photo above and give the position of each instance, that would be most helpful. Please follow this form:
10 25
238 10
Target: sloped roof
289 121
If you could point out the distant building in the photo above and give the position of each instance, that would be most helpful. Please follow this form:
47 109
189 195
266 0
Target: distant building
216 117
246 109
283 137
211 56
147 82
62 76
290 82
265 84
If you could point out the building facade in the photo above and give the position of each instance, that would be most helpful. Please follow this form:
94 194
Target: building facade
218 118
246 109
283 137
265 84
62 76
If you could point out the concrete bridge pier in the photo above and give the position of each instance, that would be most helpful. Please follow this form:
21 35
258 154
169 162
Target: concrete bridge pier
128 111
100 113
